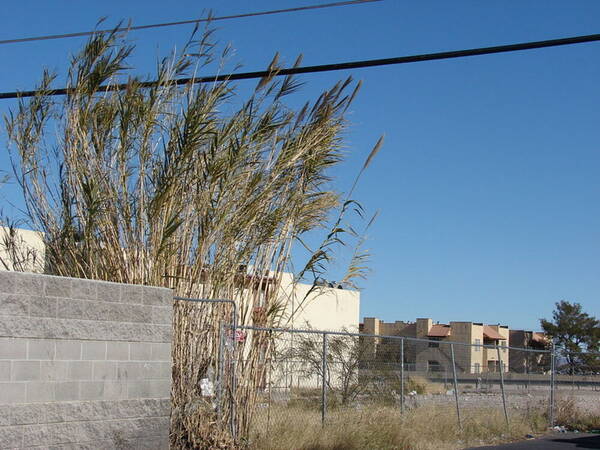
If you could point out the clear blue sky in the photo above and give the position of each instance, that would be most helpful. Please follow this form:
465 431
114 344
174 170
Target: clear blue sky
488 183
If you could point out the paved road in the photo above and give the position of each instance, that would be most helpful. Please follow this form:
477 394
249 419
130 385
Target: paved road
558 441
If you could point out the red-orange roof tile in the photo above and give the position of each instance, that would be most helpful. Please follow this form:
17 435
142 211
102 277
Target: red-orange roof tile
490 333
438 330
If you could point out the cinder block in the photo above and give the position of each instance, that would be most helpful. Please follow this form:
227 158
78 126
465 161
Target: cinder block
150 426
104 370
149 389
152 443
115 390
129 371
161 352
11 437
84 289
91 390
131 294
27 414
109 292
58 287
140 408
117 351
54 370
32 327
166 370
80 370
156 407
25 371
40 391
157 296
67 391
5 370
11 348
127 313
12 393
7 282
45 434
93 310
94 350
77 309
71 411
29 283
137 370
68 350
151 370
145 427
41 349
42 307
136 313
14 304
162 315
140 351
5 415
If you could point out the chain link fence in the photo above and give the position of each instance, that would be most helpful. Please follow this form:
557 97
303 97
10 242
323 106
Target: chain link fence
321 374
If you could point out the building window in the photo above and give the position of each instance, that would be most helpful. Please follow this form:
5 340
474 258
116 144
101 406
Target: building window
477 368
434 366
493 366
477 343
434 342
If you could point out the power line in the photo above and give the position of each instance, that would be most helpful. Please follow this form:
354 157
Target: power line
337 66
186 22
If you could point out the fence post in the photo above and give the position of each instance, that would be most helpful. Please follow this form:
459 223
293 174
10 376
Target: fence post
501 366
324 381
455 386
401 376
552 381
233 383
221 370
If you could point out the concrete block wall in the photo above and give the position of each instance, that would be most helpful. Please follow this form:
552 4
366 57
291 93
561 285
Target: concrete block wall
83 364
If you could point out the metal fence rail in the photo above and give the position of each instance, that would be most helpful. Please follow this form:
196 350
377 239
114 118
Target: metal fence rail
329 372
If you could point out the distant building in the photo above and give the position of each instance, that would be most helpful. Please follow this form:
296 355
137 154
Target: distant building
528 362
433 356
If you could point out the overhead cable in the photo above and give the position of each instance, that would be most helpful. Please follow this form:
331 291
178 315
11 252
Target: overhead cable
187 22
337 66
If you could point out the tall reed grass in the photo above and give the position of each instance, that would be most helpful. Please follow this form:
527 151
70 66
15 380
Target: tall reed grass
158 186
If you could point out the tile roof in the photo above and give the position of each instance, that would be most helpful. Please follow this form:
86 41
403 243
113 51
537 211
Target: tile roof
439 330
490 333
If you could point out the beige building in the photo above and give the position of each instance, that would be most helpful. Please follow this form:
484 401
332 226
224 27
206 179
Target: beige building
330 307
434 354
21 250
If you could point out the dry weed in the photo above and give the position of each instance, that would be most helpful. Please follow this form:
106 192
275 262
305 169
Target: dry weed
385 428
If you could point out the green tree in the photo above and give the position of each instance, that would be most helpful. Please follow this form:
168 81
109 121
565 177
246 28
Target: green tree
574 332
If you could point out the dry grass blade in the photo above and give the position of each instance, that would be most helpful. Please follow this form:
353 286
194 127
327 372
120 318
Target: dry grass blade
374 152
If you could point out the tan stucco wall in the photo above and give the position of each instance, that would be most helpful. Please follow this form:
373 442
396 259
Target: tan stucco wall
30 243
325 308
493 354
477 353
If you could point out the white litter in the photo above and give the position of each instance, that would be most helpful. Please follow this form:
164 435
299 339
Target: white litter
207 388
